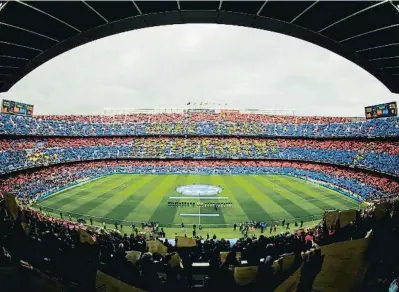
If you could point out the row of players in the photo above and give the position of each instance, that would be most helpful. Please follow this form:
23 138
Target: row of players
200 204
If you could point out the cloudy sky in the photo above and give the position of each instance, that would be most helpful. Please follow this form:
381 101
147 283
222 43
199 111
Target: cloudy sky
168 66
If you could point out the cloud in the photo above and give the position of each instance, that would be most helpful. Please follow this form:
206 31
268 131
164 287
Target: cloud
168 66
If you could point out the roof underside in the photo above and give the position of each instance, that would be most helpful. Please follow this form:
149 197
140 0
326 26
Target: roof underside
366 33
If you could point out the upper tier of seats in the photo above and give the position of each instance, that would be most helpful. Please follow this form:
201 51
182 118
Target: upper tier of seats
196 124
207 115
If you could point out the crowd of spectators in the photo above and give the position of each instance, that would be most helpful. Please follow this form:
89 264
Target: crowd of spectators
198 124
20 153
32 184
18 143
55 247
198 116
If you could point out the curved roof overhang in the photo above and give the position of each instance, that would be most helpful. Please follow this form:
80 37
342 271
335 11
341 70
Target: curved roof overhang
31 33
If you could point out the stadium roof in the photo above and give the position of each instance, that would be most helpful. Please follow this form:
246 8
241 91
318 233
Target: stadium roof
364 32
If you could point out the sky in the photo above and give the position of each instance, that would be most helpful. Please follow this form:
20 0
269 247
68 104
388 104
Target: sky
169 66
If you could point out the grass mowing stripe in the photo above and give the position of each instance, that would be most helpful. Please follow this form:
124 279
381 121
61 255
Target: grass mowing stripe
73 196
338 198
58 196
340 201
125 207
251 208
235 213
97 196
257 191
214 180
206 179
295 198
343 201
113 188
78 192
157 196
200 220
285 182
316 198
289 206
111 202
190 179
144 209
164 214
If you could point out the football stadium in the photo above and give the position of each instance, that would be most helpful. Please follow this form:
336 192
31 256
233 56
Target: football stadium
198 198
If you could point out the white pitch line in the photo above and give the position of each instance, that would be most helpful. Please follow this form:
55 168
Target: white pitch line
199 215
199 198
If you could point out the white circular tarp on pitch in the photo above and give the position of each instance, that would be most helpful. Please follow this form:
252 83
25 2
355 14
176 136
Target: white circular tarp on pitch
199 190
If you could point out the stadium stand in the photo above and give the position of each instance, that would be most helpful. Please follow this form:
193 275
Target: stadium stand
45 154
73 253
20 153
28 142
161 124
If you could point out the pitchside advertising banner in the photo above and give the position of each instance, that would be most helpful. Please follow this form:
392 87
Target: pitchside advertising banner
381 110
16 108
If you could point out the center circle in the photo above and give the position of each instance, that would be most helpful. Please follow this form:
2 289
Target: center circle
199 190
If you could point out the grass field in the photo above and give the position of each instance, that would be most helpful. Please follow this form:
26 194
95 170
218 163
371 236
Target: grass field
136 198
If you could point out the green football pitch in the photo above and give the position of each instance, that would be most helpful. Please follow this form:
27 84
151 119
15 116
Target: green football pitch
136 198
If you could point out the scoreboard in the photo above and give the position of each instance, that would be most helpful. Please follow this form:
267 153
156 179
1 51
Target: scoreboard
16 108
381 110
